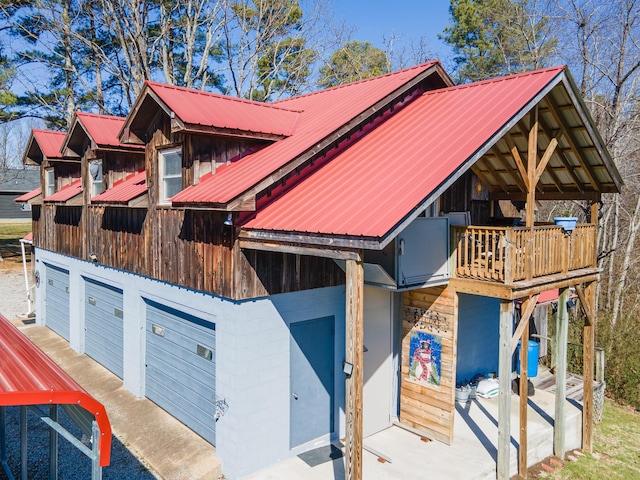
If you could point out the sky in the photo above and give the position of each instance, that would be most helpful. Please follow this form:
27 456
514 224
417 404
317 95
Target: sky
375 19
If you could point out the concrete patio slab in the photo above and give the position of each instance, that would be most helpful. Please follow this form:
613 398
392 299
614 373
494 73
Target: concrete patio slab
472 456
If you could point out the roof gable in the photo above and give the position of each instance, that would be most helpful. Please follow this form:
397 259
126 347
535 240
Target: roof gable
327 116
100 130
379 184
43 144
197 111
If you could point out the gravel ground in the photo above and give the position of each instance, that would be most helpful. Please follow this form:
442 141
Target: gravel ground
72 464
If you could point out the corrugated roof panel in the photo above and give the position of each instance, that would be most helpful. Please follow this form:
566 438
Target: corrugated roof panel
323 112
49 142
66 193
104 130
209 109
125 190
369 188
29 377
29 195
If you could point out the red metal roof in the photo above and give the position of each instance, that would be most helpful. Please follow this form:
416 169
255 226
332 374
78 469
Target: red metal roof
196 107
323 112
49 142
29 377
104 130
28 237
28 196
66 193
125 190
373 185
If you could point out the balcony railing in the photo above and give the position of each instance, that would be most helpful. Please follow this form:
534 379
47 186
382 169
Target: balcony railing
512 254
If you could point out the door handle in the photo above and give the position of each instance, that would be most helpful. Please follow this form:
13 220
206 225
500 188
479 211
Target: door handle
295 396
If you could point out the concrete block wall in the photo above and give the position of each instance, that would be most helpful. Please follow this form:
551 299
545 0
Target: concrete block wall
252 352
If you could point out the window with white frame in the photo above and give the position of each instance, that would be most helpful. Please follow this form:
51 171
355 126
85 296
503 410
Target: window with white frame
49 182
170 169
95 177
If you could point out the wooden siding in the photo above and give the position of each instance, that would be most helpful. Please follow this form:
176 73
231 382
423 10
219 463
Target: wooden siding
430 408
58 228
462 196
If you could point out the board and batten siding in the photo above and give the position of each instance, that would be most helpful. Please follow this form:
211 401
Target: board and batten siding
427 407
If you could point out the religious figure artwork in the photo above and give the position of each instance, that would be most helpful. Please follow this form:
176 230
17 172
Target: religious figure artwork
425 358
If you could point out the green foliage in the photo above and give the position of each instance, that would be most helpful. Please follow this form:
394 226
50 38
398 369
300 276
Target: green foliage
497 37
616 441
354 61
622 353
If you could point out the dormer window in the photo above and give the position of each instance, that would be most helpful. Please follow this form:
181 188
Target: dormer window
95 177
170 169
49 182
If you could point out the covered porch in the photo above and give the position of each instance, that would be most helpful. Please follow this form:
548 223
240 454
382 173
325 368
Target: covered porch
398 453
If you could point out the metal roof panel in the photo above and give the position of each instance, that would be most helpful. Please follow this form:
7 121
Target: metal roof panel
104 130
373 185
29 377
323 112
124 190
66 193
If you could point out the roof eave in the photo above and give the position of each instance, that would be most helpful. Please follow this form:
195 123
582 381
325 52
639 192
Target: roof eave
177 125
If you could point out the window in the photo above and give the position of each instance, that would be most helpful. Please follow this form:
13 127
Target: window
170 165
95 177
49 182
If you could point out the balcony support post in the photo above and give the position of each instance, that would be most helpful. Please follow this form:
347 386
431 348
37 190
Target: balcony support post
504 400
561 338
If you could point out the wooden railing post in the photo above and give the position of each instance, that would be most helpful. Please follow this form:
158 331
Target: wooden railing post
509 254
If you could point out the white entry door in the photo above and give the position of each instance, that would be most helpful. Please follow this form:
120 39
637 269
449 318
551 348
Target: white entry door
378 360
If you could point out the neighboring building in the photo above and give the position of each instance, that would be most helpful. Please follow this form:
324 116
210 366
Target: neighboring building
235 271
13 184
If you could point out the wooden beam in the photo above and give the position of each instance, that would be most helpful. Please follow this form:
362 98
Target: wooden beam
561 338
567 168
518 179
504 397
529 307
354 355
588 354
567 132
586 307
532 160
524 392
521 168
520 196
548 153
298 249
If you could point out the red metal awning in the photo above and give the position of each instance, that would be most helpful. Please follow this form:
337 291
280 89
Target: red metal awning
66 193
29 377
125 190
28 196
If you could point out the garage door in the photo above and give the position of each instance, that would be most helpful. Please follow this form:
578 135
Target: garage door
103 324
57 300
181 367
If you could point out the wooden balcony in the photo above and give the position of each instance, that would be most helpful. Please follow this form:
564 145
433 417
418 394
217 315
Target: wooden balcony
522 257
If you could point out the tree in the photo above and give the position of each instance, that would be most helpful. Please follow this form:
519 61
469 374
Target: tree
497 37
267 47
354 61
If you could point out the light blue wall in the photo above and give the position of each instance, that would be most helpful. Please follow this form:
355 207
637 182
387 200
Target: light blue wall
253 381
478 332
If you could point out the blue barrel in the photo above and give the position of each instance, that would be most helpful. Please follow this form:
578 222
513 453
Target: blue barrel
532 359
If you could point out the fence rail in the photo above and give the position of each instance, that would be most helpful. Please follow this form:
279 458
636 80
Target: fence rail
511 254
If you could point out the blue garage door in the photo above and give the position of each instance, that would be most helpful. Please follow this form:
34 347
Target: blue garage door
57 300
103 325
181 367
